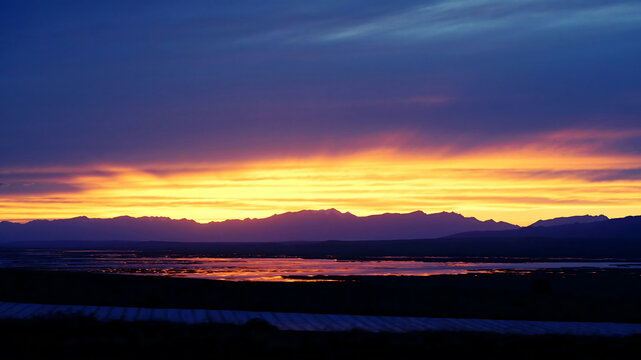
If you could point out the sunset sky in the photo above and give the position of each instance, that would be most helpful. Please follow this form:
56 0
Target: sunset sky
511 110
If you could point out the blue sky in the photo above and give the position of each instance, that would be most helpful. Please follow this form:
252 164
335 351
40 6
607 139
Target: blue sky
166 78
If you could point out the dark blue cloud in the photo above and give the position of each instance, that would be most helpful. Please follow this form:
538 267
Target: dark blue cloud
135 81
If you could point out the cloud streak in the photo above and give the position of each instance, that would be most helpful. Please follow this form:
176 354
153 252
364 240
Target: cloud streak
461 18
518 182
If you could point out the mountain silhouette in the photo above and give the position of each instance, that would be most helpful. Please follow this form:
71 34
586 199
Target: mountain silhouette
312 233
622 228
305 225
570 220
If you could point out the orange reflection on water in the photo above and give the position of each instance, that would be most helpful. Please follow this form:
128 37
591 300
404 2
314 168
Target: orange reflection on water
299 269
273 269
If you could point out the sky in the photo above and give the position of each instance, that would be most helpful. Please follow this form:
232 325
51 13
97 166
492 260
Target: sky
511 110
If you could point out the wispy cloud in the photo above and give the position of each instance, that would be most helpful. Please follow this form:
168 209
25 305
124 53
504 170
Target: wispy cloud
442 19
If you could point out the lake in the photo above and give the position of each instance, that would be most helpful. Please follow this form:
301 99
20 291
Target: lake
266 268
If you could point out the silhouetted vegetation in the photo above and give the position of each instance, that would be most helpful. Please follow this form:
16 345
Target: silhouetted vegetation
568 295
78 337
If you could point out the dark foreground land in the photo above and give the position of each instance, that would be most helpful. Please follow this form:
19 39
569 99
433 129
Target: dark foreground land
77 337
576 295
567 295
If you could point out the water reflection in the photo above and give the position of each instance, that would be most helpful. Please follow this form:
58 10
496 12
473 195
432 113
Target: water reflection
263 269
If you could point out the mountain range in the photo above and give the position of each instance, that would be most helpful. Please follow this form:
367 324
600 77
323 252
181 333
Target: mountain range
570 220
331 233
305 225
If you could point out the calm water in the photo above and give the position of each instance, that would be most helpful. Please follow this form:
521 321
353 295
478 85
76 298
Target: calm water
263 269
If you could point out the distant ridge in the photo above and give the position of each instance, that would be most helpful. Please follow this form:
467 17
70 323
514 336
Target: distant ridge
622 228
311 233
570 220
304 225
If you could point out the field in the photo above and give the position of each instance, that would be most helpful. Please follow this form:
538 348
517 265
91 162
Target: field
571 295
568 295
85 338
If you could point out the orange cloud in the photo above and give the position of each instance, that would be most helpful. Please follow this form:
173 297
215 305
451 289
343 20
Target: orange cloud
516 182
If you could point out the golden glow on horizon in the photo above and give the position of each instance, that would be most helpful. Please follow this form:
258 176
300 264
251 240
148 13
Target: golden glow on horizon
516 184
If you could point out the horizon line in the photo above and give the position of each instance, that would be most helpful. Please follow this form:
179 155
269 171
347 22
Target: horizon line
25 221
